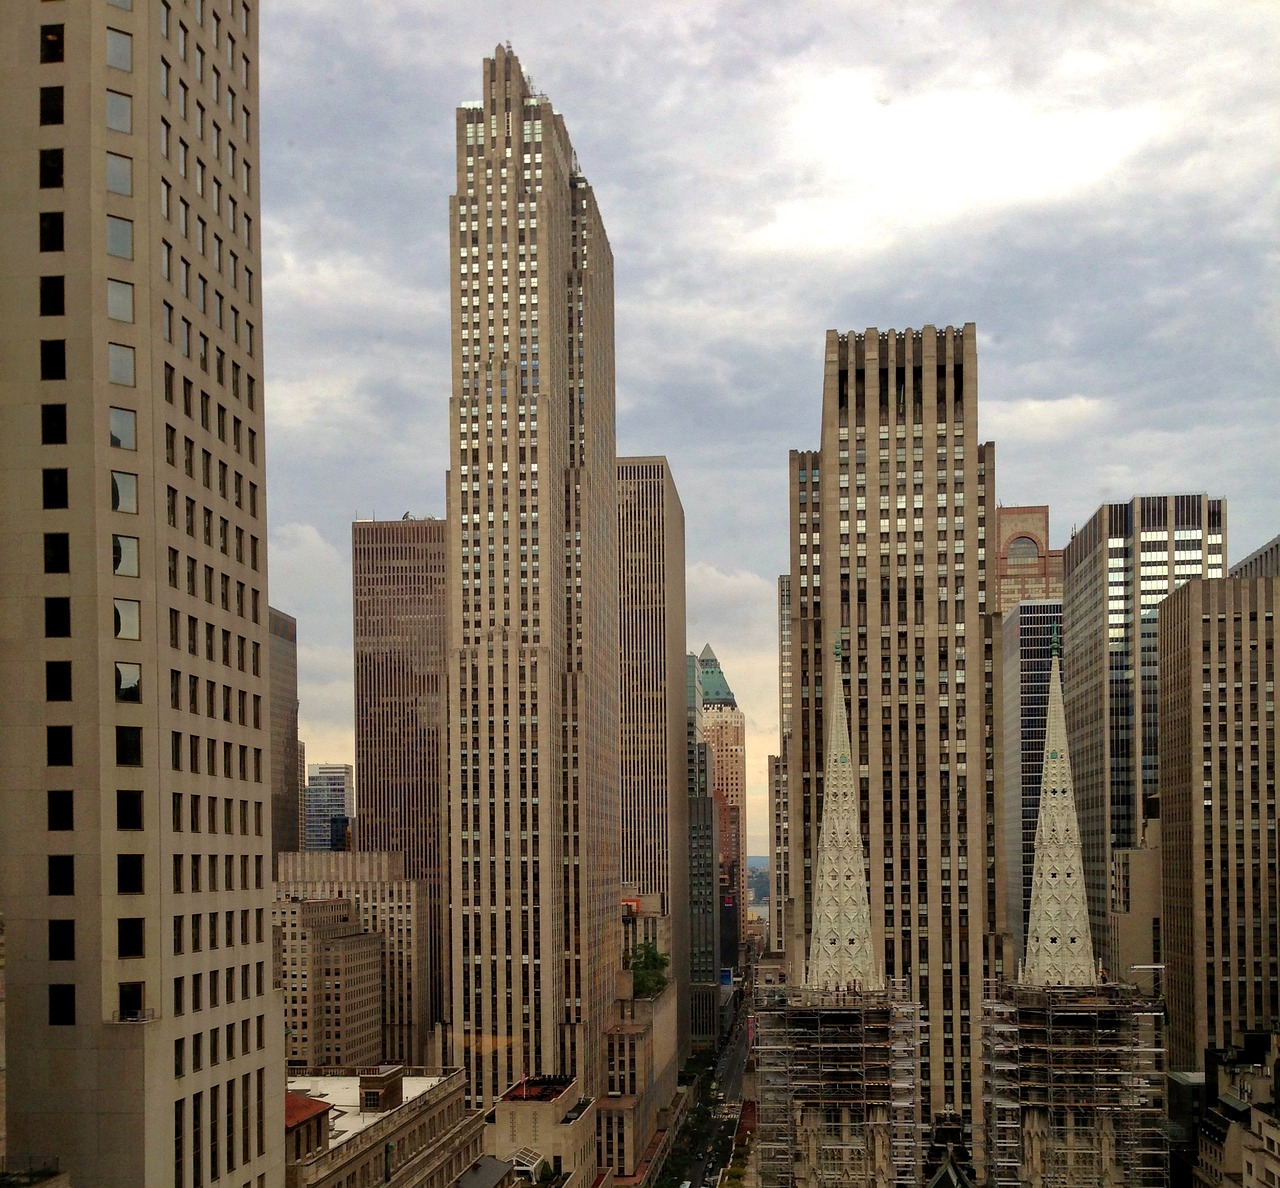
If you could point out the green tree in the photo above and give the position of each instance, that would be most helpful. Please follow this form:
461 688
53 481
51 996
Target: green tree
648 970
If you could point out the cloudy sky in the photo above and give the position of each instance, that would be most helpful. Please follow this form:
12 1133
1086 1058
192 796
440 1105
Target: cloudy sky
1094 183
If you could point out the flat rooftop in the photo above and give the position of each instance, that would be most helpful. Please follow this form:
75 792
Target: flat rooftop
346 1118
538 1089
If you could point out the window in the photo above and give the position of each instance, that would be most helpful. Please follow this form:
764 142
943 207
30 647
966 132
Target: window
120 364
53 296
119 174
57 618
62 874
129 880
128 808
54 493
131 999
51 102
119 111
57 552
120 300
128 746
52 44
60 811
58 746
124 429
53 424
128 682
51 231
129 937
124 555
57 680
119 237
62 1005
53 359
62 940
119 50
128 618
51 169
124 492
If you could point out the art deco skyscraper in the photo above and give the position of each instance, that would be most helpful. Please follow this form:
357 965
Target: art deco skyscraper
144 1044
724 726
899 566
533 592
652 711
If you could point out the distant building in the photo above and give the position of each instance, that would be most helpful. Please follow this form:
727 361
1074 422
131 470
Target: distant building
286 772
704 871
724 726
331 975
543 1123
329 797
779 830
1263 562
1025 566
400 911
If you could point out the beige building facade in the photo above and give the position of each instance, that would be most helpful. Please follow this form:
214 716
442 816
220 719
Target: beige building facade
533 599
136 856
1025 566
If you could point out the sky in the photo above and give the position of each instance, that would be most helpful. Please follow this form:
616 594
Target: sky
1095 184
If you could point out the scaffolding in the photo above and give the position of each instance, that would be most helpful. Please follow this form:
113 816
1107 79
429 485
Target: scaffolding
836 1085
1074 1094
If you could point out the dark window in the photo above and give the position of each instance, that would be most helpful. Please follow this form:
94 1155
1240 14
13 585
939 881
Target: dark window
51 105
57 680
53 424
128 681
51 169
51 232
131 996
55 488
62 1005
129 874
128 808
58 746
53 296
128 746
57 552
53 359
129 937
51 43
62 940
60 807
57 618
62 874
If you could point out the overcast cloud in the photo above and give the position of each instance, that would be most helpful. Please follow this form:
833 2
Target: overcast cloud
1094 184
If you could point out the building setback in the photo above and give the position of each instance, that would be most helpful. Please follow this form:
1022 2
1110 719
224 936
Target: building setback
1217 644
899 564
134 654
533 600
651 643
1118 569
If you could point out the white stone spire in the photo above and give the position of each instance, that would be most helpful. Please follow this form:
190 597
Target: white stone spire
841 950
1059 946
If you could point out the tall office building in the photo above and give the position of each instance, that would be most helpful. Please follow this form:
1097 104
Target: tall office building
1026 567
651 658
896 563
1118 569
533 599
1217 648
704 868
724 726
286 774
779 867
136 716
328 805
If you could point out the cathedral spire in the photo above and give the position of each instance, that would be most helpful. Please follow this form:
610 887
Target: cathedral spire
841 948
1059 947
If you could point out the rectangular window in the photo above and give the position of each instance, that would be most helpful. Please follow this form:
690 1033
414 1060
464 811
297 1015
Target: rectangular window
130 934
57 680
52 44
128 809
51 169
119 174
124 555
124 492
53 424
59 746
120 364
119 300
51 231
119 111
51 103
128 682
57 552
62 940
124 429
60 811
119 50
129 874
62 874
119 237
57 618
53 296
54 488
128 618
53 359
128 746
62 1005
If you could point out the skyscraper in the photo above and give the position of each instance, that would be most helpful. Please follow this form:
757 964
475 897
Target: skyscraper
653 753
1118 569
533 599
899 565
724 726
286 774
136 718
779 860
704 870
328 805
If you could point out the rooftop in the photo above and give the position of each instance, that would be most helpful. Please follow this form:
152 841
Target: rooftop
298 1108
538 1089
342 1093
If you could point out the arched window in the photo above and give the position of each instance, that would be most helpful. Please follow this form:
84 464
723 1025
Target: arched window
1023 551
